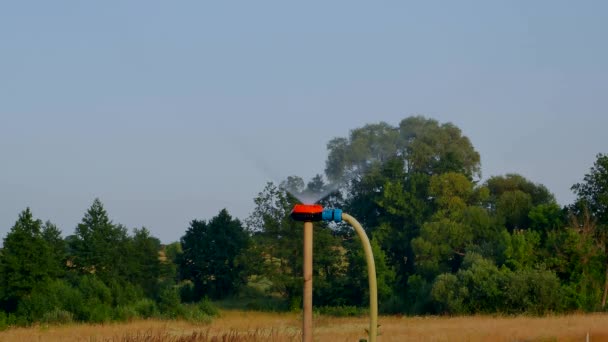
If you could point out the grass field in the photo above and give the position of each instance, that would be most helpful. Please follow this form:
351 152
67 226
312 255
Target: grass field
258 326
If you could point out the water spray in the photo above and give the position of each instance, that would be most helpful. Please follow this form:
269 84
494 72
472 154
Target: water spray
309 213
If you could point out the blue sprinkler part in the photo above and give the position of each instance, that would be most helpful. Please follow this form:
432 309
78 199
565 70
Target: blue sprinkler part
332 215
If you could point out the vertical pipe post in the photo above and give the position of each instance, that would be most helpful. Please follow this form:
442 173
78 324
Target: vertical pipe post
307 295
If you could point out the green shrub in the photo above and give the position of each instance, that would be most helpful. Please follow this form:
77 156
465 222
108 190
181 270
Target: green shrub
145 308
532 291
57 316
193 313
98 313
48 297
207 307
483 283
418 296
125 313
125 293
186 291
448 295
3 320
94 290
169 303
295 303
393 305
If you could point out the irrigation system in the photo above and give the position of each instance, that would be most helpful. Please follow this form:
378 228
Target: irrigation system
309 213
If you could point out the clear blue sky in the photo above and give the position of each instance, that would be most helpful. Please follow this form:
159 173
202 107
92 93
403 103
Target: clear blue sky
165 110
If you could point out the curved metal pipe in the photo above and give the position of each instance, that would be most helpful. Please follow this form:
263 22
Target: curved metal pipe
371 274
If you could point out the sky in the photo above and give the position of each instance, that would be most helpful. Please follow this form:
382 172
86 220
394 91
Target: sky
170 111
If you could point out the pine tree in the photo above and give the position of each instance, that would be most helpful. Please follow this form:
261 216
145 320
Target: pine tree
26 260
99 246
209 255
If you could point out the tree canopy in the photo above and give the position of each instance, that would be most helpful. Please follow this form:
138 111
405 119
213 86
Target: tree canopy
444 242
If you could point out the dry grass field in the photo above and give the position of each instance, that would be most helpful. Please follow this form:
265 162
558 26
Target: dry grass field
257 326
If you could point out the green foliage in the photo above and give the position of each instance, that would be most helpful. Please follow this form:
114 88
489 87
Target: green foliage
592 193
169 303
499 185
57 316
514 207
210 252
448 294
276 252
52 295
532 291
356 291
3 321
442 243
26 260
483 282
169 265
546 217
143 263
125 313
100 247
187 292
57 249
426 146
434 148
418 295
145 308
521 249
480 286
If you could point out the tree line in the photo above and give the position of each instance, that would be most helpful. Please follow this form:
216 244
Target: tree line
444 243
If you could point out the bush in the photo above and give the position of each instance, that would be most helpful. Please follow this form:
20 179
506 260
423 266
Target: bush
207 307
94 290
125 293
8 320
3 320
98 313
57 316
187 292
193 313
146 308
56 295
532 291
483 282
169 302
125 313
418 296
448 294
391 306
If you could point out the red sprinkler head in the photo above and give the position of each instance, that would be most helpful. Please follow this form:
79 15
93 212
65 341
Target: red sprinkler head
307 212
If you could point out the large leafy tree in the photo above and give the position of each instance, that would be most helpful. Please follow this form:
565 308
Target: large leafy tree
433 148
592 199
387 171
592 193
26 260
514 198
499 185
425 146
210 251
100 247
458 225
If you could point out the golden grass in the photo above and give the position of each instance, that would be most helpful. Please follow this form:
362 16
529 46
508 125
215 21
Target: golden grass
257 326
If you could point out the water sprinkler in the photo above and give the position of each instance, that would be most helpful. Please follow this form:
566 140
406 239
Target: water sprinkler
309 213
